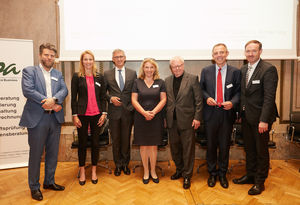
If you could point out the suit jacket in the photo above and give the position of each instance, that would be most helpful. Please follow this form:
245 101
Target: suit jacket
34 89
232 89
115 112
258 97
187 104
79 94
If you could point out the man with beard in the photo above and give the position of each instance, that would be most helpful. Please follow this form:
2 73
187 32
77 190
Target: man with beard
45 90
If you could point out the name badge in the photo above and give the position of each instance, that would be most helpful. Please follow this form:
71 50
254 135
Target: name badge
255 81
229 86
98 84
54 78
155 86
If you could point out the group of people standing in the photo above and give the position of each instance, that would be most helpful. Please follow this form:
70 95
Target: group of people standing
178 104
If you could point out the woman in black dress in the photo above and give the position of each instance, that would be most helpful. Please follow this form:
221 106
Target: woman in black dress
148 98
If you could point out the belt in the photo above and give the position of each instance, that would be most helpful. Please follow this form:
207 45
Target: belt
49 111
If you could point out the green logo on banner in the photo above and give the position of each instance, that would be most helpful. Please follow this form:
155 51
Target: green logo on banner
11 68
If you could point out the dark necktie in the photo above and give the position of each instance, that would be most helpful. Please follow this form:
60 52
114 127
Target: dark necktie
219 88
121 81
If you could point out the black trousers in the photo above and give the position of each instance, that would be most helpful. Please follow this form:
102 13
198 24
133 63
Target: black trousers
257 151
120 131
83 138
182 144
218 131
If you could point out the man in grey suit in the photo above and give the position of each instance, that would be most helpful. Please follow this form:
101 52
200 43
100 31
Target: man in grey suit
183 113
119 82
258 111
45 90
220 84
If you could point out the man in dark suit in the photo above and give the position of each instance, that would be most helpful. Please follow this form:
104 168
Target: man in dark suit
220 84
258 111
119 83
45 90
183 113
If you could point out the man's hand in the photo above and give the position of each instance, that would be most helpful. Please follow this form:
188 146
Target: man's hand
262 127
76 122
48 103
196 124
227 105
56 107
101 120
211 102
116 101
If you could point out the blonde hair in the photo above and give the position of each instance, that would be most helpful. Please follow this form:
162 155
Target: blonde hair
142 73
81 72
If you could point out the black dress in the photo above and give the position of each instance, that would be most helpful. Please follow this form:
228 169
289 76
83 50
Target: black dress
148 132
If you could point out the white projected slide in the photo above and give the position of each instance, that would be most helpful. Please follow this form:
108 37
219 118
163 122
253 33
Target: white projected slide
164 28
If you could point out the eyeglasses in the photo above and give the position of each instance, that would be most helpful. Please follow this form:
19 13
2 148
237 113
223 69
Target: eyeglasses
116 57
176 66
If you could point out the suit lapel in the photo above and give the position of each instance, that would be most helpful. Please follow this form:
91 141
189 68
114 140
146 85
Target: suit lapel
228 81
41 78
256 71
171 87
213 79
114 80
126 78
183 84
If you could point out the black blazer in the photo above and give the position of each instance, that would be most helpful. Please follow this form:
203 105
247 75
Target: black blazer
259 96
232 89
79 94
115 112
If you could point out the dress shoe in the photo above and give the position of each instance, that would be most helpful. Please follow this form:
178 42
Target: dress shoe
82 182
223 181
155 180
256 189
175 176
94 181
244 180
37 195
186 183
117 171
211 181
54 187
146 181
126 170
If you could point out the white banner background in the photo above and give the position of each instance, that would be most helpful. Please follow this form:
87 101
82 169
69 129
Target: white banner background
15 54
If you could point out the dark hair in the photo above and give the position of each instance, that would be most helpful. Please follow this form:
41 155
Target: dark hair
256 42
47 46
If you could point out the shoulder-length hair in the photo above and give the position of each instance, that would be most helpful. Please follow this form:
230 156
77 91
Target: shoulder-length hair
142 73
81 72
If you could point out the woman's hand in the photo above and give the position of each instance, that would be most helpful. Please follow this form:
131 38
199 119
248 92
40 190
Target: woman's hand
149 115
76 122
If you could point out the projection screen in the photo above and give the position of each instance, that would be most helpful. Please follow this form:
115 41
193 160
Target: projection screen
165 28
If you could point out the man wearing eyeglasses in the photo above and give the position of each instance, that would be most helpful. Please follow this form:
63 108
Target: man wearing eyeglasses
184 112
119 81
220 84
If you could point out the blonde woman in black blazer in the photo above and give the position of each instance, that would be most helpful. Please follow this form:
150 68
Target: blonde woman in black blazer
88 110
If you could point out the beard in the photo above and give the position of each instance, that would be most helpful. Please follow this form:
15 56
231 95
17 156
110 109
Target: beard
47 64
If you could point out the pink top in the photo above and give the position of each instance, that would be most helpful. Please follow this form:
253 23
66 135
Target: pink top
92 107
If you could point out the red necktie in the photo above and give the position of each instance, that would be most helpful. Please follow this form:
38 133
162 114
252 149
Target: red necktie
219 88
